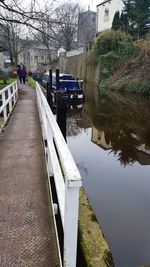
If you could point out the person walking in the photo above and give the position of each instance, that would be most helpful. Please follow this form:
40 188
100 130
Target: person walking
23 73
19 73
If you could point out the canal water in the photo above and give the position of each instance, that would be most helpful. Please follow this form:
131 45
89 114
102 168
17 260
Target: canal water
109 138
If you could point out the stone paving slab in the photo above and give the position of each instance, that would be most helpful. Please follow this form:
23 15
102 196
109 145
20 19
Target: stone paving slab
27 235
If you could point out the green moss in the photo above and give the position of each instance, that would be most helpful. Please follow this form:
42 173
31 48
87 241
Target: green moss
108 258
93 217
83 247
91 238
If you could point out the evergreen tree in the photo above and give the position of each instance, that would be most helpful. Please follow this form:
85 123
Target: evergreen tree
137 12
116 24
124 22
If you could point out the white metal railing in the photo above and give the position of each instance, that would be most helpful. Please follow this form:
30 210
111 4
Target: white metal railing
62 167
8 99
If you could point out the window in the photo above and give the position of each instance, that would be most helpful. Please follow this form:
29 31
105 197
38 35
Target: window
35 58
106 14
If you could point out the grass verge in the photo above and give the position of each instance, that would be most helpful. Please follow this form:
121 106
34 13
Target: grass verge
31 82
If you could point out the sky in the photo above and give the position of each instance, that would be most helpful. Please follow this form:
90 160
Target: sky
86 3
91 3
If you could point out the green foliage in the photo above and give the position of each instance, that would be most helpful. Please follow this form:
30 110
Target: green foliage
126 84
137 12
134 17
112 49
116 24
120 22
31 82
109 63
111 40
9 81
124 22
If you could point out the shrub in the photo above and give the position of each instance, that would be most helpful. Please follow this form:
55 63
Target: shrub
111 50
109 63
111 40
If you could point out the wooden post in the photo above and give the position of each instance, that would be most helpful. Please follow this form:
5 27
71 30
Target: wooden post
49 88
61 120
57 79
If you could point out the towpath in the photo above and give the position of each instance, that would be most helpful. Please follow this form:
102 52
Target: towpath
27 235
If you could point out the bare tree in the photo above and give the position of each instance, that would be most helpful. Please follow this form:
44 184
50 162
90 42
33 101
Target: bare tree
59 28
66 30
25 14
11 34
56 24
14 15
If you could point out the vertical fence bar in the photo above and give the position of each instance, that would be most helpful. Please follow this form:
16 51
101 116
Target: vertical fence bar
50 141
5 108
14 93
16 87
71 226
9 96
10 99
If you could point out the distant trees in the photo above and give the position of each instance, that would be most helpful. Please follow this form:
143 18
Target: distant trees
11 41
25 13
53 24
59 28
66 31
11 33
135 15
53 21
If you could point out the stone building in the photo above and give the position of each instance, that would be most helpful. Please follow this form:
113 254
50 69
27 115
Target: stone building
86 28
37 57
105 14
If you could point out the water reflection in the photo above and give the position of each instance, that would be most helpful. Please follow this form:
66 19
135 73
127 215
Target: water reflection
122 126
110 141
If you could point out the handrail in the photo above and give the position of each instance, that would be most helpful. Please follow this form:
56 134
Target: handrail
67 179
8 98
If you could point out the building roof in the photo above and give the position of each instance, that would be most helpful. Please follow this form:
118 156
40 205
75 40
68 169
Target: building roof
43 47
102 3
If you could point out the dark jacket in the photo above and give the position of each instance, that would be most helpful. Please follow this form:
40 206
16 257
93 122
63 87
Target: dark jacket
19 70
23 72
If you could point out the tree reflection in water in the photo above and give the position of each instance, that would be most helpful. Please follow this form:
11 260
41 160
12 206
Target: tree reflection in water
75 117
124 120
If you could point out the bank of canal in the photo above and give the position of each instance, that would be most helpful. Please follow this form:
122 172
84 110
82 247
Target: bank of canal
110 142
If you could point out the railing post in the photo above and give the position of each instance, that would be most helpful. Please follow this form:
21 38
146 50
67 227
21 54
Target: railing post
5 108
57 79
50 140
71 225
49 89
10 100
16 87
14 93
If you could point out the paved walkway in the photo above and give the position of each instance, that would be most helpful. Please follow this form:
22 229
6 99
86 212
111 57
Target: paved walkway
27 236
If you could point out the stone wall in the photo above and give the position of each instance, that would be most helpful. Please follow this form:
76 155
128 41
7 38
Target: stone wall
80 66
